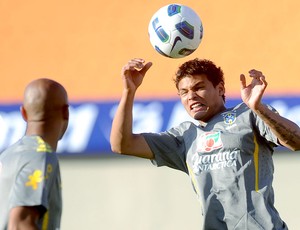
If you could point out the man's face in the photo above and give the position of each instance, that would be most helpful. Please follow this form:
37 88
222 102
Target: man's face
200 98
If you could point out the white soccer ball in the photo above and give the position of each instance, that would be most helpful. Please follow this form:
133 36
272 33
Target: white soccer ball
175 31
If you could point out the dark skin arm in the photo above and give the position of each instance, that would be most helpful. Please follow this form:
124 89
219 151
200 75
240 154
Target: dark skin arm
24 218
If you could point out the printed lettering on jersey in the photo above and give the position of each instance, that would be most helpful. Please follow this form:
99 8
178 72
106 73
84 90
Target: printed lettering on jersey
229 117
203 160
209 141
210 162
34 179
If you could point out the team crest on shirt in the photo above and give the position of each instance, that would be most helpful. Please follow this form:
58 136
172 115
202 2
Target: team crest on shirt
210 141
229 117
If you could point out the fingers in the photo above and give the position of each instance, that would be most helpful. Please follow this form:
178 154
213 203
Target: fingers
145 68
137 64
256 74
243 81
134 63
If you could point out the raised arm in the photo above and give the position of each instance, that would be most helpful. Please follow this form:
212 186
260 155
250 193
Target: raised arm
122 139
287 132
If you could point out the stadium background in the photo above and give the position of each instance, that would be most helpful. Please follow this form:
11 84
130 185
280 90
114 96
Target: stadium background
84 44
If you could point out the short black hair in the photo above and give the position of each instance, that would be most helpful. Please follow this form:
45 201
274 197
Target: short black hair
200 66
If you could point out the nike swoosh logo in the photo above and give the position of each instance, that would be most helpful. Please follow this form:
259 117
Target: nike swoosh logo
177 39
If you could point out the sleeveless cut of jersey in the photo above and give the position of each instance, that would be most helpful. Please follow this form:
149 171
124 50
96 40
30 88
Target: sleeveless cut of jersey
230 165
30 176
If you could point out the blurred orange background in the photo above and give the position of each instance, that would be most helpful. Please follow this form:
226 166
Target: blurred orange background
84 44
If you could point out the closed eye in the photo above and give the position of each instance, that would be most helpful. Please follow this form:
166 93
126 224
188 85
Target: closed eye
198 88
182 93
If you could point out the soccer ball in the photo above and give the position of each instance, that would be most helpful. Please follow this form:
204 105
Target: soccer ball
175 31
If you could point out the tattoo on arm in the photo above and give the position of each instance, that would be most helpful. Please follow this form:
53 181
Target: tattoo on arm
286 131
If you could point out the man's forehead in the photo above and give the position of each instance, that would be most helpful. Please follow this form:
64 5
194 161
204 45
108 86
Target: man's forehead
191 81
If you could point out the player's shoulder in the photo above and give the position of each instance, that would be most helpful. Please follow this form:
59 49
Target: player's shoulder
183 127
40 153
187 124
29 147
29 152
243 107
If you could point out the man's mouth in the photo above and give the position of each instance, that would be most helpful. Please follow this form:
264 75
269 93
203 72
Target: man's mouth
198 106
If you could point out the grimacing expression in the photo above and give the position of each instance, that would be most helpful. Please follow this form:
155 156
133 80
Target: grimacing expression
200 98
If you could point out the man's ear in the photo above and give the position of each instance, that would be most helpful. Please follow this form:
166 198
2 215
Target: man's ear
24 113
221 88
66 112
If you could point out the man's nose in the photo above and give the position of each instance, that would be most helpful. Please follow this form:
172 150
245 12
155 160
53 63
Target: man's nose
192 94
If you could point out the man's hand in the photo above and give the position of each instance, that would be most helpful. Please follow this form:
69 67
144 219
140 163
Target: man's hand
252 94
133 73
